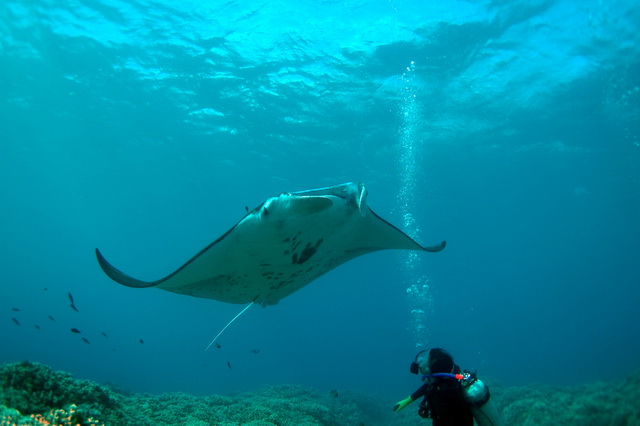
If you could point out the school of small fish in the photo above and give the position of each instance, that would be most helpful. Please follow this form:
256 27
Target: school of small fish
74 330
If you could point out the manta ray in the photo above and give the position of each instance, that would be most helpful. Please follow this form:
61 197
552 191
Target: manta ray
281 246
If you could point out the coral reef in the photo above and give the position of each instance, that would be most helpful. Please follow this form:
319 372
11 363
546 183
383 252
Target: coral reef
71 416
35 390
593 404
283 405
33 394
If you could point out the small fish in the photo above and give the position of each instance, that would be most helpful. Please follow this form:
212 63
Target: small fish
218 345
51 318
86 341
104 334
141 341
229 365
73 305
37 327
246 208
334 393
15 309
75 330
16 321
255 351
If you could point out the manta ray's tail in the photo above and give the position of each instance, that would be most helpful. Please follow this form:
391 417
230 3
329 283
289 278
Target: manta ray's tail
228 324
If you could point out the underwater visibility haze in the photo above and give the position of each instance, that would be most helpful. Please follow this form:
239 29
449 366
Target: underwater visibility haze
149 128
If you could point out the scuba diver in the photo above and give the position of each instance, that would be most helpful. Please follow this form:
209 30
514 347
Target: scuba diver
451 397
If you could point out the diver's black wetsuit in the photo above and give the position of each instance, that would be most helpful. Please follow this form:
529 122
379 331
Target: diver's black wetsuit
445 401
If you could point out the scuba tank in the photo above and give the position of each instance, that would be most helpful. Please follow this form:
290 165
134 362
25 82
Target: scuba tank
476 393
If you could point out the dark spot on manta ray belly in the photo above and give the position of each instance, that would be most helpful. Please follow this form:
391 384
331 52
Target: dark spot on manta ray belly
307 252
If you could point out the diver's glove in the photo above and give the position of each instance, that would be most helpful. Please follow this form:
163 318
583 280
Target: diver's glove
401 404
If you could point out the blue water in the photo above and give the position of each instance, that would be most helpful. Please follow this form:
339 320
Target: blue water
144 128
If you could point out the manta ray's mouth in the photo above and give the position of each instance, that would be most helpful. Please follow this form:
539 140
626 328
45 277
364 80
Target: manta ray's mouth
362 199
352 193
